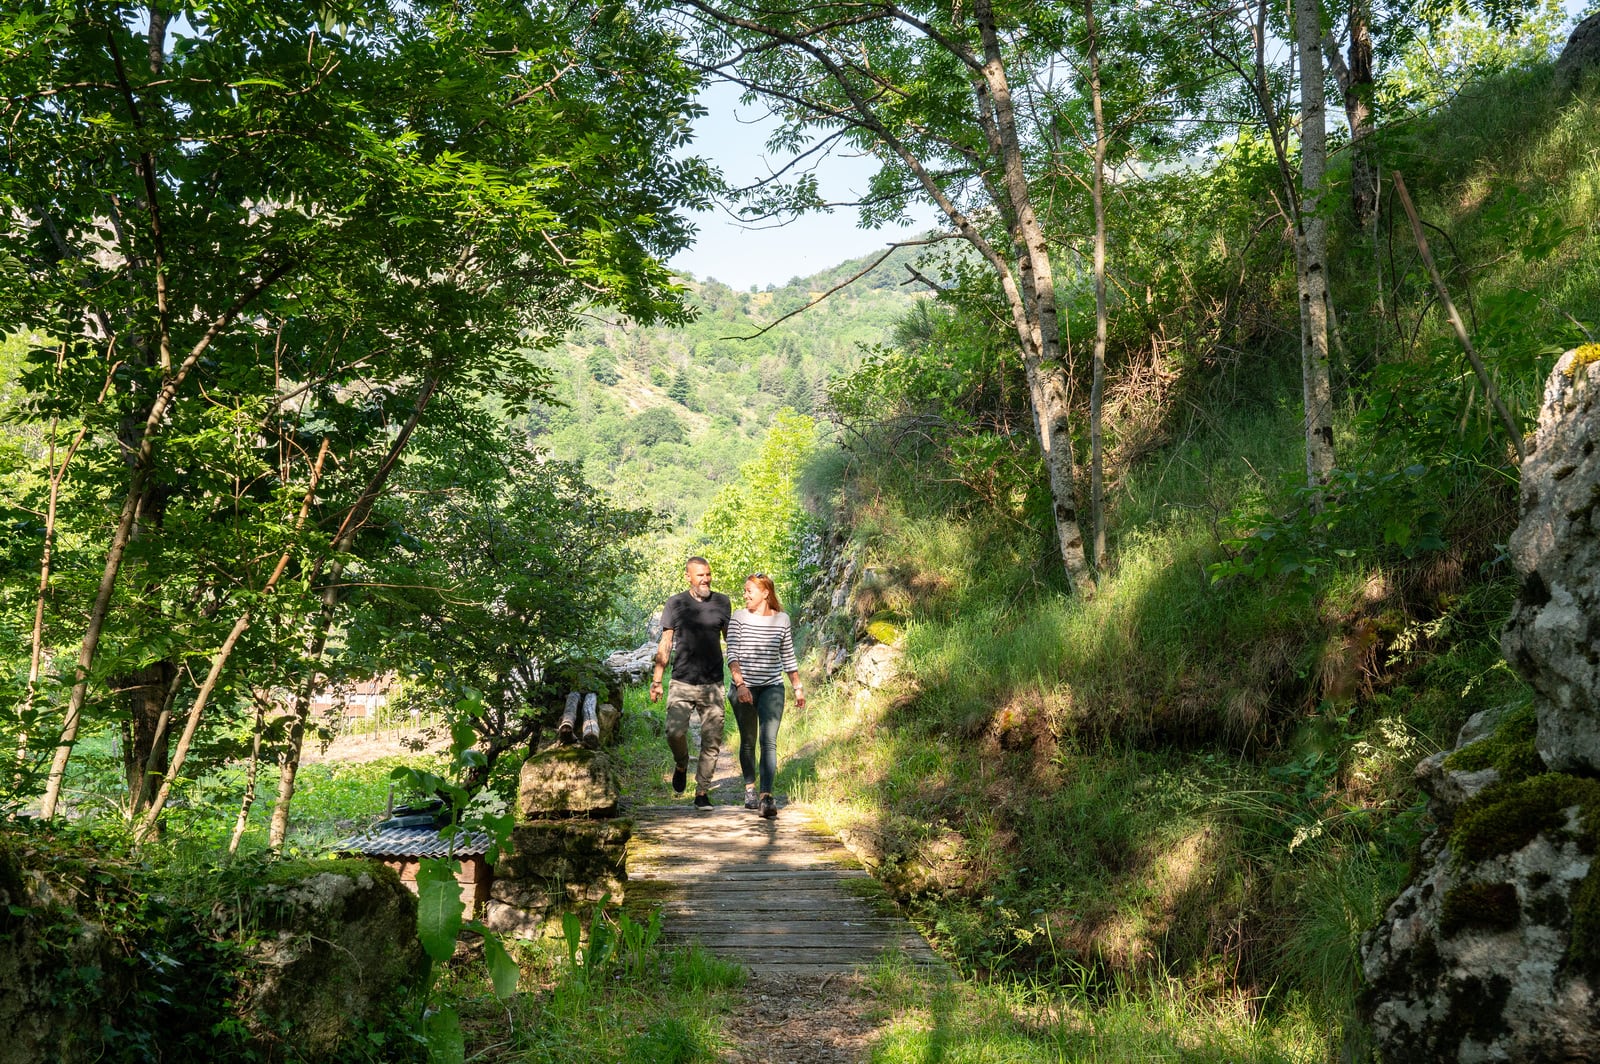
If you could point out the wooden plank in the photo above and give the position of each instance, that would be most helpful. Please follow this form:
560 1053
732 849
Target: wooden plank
771 895
749 871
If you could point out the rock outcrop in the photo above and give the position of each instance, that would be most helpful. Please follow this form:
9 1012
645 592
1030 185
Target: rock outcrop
303 961
852 611
1581 55
1493 952
339 940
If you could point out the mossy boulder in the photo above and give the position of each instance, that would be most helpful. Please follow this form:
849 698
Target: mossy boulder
1493 952
567 781
336 954
112 960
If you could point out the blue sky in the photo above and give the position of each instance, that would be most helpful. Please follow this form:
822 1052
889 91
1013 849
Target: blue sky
734 138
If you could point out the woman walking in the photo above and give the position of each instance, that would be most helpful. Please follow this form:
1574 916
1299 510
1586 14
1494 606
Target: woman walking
760 651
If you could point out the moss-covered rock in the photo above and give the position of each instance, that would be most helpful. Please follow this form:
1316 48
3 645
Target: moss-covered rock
1493 952
1509 749
567 781
336 954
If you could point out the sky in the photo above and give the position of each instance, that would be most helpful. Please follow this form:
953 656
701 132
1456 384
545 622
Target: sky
734 137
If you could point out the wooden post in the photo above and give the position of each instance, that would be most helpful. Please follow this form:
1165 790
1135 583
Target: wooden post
591 723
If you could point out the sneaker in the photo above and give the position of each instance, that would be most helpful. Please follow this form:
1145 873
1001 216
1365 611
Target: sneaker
680 779
769 808
702 801
750 800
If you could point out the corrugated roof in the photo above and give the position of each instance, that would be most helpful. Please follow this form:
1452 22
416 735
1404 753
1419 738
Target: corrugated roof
413 842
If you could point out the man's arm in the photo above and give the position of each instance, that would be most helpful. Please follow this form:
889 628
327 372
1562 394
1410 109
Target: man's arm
663 655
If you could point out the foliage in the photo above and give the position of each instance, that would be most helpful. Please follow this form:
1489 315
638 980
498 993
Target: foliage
756 524
277 235
152 960
441 910
497 574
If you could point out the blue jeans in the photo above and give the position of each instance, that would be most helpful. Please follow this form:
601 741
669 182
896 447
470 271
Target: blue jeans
760 717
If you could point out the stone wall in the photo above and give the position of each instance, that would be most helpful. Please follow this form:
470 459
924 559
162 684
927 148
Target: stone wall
1493 952
568 848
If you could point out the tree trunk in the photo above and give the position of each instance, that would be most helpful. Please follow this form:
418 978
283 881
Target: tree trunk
1097 503
142 466
145 740
1040 331
1313 229
147 825
251 773
1353 73
289 764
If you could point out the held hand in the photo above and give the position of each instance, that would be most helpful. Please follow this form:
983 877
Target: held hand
800 699
655 690
742 694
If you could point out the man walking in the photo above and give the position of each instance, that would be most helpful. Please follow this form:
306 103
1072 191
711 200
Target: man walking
693 624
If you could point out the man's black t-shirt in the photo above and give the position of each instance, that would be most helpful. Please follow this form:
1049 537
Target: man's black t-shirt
697 628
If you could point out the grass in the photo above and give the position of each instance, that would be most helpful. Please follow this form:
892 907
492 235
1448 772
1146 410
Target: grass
668 1008
1089 1021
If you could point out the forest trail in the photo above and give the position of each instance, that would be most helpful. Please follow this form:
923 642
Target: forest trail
785 899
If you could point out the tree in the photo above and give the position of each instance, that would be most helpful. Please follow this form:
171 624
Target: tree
257 233
494 572
656 425
756 523
680 390
930 92
1311 231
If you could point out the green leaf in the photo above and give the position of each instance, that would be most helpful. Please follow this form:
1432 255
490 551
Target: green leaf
503 971
442 1029
439 907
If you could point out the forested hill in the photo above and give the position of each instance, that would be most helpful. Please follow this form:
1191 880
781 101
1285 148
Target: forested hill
660 416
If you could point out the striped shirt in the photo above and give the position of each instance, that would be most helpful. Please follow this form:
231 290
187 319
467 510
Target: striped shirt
763 647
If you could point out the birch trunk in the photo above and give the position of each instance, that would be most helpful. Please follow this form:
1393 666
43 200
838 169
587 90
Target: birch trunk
1313 234
1040 332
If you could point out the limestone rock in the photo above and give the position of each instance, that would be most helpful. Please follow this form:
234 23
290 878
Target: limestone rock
340 945
567 782
631 666
877 666
1553 638
1468 964
1493 952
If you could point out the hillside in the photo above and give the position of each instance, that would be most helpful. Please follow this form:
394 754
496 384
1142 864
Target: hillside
662 416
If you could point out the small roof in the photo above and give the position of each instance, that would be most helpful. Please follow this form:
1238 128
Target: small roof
382 841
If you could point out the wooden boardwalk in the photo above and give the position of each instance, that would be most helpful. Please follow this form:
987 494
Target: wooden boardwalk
783 897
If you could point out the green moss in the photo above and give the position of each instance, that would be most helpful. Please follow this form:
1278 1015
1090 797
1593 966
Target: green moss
1506 817
283 873
1583 951
1509 750
884 629
1492 906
